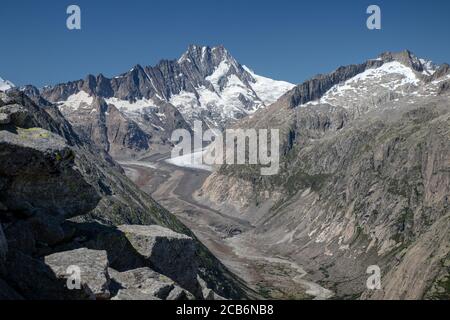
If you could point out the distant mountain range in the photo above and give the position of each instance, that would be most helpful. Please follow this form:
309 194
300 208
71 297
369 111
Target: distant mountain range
131 113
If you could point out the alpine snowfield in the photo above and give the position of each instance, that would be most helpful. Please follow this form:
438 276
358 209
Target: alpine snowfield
389 82
5 85
205 84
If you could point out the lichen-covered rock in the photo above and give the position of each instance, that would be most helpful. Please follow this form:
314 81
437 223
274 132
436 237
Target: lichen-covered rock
169 253
148 283
39 168
17 116
93 266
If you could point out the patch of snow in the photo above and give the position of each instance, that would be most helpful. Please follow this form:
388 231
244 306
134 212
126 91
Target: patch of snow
429 67
267 89
78 100
157 127
220 72
138 163
186 103
227 102
192 160
203 53
6 85
126 106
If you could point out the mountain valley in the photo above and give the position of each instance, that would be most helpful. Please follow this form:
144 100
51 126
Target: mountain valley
364 180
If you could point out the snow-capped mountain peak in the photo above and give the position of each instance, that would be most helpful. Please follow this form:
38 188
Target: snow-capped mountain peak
412 61
5 85
205 83
228 90
388 78
205 56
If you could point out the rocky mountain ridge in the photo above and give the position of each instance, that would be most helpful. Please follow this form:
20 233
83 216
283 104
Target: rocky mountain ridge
141 108
364 179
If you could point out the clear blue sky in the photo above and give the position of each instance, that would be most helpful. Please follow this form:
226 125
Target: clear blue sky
289 40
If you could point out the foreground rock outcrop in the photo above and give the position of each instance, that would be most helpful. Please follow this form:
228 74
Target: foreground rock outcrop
39 169
93 267
170 253
144 282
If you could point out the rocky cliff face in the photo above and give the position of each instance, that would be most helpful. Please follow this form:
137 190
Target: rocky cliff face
364 179
61 199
